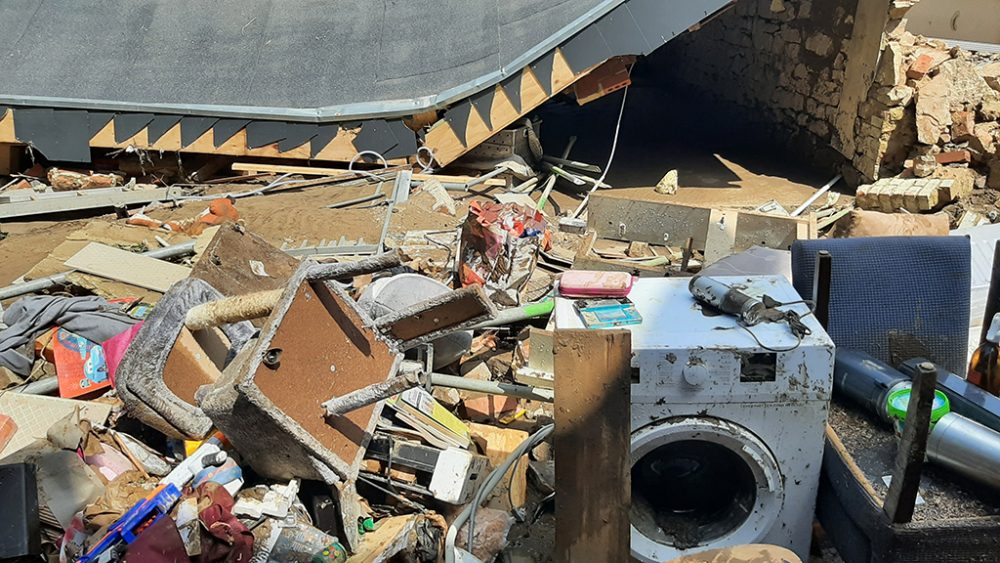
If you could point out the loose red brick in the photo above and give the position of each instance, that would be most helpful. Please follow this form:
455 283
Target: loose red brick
920 67
951 157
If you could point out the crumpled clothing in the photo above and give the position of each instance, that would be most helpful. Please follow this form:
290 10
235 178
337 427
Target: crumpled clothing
92 318
224 539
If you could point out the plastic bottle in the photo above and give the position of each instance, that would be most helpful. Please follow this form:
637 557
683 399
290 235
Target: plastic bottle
984 370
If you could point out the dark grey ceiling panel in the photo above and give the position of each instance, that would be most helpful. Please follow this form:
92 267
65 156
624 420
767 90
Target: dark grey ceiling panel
375 135
512 87
192 128
661 21
622 33
458 118
406 140
128 124
98 120
224 129
543 71
263 133
296 134
586 50
483 102
60 135
160 125
324 134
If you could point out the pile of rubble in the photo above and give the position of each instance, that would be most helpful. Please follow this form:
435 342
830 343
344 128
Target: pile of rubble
933 113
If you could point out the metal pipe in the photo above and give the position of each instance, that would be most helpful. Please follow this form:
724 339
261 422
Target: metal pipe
57 279
805 205
518 314
966 447
493 387
46 386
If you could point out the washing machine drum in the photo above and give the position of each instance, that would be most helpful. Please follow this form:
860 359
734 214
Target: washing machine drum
700 483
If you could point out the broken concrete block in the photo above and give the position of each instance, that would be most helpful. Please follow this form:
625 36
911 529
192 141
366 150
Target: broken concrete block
990 110
993 179
963 125
984 141
819 43
953 157
956 183
667 184
897 96
991 74
66 180
967 86
924 165
933 109
890 67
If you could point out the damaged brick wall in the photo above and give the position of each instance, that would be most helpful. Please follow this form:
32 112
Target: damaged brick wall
786 60
933 111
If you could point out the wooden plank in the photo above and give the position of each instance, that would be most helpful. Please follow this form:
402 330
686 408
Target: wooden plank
7 128
909 463
837 444
498 443
586 259
392 536
593 375
125 266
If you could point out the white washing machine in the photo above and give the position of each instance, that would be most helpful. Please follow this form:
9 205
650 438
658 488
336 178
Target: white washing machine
727 432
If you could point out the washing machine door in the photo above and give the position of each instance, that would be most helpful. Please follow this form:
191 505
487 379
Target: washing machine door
700 483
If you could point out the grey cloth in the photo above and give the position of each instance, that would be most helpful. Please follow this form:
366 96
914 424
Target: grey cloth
90 317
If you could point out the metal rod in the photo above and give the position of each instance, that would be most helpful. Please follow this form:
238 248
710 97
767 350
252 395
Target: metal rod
350 202
493 387
46 386
826 187
569 146
57 279
518 314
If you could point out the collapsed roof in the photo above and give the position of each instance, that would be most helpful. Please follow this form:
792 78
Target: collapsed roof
293 72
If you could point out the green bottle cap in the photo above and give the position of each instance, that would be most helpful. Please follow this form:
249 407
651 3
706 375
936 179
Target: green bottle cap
898 400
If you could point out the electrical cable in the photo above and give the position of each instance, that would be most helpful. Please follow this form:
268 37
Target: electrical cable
611 157
487 486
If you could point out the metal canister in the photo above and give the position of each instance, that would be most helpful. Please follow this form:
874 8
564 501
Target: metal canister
966 447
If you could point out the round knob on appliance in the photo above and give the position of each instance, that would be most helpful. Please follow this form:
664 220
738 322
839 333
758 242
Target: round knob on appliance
695 375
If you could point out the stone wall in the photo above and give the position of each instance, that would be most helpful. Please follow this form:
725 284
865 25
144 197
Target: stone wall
787 61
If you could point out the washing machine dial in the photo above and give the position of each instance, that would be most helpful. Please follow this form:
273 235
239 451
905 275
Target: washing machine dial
695 374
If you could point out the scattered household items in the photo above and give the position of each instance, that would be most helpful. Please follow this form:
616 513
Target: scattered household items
723 411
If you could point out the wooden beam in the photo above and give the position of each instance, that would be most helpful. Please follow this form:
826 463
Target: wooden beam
902 495
592 379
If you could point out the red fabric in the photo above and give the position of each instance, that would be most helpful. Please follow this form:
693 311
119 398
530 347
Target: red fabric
224 539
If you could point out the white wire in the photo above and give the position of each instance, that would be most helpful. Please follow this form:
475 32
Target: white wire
611 157
426 168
